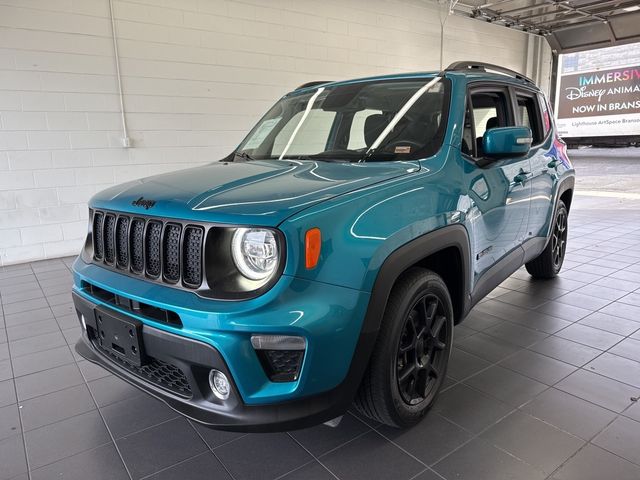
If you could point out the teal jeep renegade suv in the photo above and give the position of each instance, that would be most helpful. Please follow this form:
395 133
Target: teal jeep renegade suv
325 262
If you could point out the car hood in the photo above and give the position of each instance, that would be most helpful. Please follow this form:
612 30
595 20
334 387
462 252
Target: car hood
259 192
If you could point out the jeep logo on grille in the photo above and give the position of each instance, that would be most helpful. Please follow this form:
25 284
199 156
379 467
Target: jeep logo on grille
141 202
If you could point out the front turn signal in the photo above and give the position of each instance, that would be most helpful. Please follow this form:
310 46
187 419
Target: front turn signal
312 245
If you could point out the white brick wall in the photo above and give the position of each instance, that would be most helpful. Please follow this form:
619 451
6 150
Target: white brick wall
195 73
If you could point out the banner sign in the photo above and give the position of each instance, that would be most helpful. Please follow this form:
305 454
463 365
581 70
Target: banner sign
609 92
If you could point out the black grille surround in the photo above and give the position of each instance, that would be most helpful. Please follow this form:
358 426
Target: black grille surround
167 251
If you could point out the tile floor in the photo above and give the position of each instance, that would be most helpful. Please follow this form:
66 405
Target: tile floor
543 383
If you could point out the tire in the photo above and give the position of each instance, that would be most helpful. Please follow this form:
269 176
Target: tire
418 303
549 263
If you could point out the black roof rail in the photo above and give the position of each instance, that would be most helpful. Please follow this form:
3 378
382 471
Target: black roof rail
483 67
313 84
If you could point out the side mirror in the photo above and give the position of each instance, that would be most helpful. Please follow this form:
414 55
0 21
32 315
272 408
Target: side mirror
507 141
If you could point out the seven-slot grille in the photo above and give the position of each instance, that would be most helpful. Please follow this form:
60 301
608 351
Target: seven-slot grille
167 251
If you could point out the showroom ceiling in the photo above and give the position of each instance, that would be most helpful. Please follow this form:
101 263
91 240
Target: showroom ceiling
569 26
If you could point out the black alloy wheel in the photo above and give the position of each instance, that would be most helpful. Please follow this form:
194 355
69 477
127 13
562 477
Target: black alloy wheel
421 352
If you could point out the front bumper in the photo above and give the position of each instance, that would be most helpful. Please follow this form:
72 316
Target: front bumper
195 359
255 403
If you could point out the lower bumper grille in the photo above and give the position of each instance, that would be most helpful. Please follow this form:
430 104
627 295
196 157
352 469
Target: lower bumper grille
162 374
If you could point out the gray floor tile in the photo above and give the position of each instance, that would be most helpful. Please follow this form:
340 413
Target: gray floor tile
521 299
617 284
487 347
516 334
542 446
583 301
90 371
594 463
7 393
566 351
622 437
102 463
215 438
320 439
273 454
54 442
40 361
609 323
628 348
564 311
463 364
25 306
36 343
501 309
53 407
618 309
134 414
429 441
371 457
21 331
478 460
569 413
510 387
618 368
12 458
111 389
6 370
538 367
633 411
631 299
597 389
48 381
478 320
159 447
541 322
9 421
600 291
470 408
202 467
589 336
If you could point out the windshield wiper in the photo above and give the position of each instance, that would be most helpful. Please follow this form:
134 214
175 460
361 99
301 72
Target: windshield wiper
243 155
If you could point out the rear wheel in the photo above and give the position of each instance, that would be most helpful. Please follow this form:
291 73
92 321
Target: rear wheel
549 262
410 359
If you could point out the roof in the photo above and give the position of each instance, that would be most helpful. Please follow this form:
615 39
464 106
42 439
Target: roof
568 26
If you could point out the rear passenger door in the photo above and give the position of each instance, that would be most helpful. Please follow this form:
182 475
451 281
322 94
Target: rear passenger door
499 188
530 112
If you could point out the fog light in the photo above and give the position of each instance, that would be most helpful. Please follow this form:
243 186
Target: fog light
84 323
219 384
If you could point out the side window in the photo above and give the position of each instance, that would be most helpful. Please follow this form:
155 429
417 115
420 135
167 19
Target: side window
468 139
356 133
527 116
490 110
312 136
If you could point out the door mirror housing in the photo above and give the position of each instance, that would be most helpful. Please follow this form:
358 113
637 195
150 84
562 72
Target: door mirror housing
507 141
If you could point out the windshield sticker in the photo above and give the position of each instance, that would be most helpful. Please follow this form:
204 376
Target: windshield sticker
261 133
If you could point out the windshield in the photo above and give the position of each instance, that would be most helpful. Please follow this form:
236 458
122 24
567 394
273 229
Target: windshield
373 120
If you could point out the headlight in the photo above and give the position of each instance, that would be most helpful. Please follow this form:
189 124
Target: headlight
255 252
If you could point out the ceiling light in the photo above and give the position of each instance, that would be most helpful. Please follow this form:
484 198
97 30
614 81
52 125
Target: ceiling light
632 9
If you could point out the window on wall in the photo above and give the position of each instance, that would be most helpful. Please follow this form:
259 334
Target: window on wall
527 116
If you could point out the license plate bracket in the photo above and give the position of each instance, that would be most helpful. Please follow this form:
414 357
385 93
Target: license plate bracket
121 337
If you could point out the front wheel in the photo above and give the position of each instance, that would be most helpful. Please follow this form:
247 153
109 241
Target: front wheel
410 359
549 262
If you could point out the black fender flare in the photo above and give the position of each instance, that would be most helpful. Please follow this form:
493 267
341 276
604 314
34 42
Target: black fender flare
394 265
